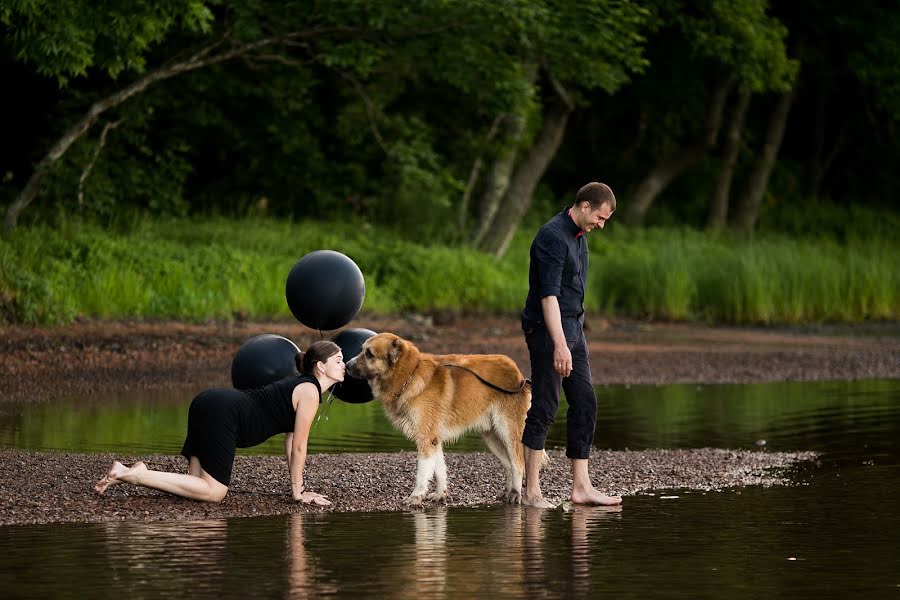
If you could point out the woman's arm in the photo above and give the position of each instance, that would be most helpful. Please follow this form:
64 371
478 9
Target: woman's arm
307 403
288 445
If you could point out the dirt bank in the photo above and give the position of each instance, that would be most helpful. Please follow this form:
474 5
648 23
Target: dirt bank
91 356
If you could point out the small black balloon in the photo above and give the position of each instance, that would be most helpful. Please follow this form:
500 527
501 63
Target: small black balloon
325 290
262 360
352 389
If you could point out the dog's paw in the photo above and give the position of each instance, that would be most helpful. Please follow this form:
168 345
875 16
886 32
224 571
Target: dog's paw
512 497
413 500
437 497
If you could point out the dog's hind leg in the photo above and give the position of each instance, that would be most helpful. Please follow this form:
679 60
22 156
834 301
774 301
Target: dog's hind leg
499 443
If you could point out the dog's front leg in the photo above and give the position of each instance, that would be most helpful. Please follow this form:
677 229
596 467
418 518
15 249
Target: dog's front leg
440 476
425 466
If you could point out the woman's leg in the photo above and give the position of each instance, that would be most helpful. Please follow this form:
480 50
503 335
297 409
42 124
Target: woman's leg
198 485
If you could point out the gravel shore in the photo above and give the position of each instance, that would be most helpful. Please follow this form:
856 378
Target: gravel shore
55 487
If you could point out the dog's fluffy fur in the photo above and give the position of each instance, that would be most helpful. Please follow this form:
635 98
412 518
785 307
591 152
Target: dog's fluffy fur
432 403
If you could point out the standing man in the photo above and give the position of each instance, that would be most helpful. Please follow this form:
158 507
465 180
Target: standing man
553 322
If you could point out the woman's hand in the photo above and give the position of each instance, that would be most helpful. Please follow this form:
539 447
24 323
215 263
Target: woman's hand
314 498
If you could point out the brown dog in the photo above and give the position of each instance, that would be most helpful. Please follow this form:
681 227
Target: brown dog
434 399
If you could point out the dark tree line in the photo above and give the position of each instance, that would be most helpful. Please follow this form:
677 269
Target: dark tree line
448 119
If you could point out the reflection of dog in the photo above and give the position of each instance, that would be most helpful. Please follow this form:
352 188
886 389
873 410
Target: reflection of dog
435 399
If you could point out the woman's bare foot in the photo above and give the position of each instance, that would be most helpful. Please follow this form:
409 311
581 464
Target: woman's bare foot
592 496
119 473
111 477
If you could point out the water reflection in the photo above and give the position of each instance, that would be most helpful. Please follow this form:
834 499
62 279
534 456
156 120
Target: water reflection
510 552
306 577
431 553
163 557
840 525
587 541
790 416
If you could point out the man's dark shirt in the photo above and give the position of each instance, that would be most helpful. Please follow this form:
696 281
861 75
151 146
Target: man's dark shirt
559 265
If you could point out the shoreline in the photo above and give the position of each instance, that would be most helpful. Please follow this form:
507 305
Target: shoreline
38 364
57 487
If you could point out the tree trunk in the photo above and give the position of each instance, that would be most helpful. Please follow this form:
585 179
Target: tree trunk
672 166
202 58
526 177
748 211
474 173
499 175
639 136
821 160
718 207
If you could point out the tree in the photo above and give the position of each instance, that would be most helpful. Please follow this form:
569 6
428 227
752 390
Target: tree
69 38
574 48
713 45
160 41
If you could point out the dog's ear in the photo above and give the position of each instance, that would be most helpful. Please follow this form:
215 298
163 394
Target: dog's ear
395 351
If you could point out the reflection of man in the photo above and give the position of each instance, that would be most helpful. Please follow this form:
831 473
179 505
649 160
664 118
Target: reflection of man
584 519
553 321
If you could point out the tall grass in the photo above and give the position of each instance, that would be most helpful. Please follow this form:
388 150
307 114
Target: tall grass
686 275
225 269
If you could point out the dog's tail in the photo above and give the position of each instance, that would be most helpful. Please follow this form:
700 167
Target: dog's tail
545 460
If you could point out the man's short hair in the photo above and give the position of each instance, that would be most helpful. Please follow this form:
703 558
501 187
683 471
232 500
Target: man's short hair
597 194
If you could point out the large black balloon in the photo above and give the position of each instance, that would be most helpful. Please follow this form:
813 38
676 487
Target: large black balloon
325 290
262 360
352 390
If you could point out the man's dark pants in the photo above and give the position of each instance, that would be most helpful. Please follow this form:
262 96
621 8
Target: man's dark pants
581 418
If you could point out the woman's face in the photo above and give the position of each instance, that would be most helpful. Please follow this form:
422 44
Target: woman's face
334 367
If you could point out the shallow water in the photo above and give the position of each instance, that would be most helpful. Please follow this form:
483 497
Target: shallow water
834 535
787 416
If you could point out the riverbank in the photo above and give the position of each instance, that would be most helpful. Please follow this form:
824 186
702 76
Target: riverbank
56 487
88 357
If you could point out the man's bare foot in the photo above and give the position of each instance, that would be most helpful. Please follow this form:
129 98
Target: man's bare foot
111 477
537 501
592 496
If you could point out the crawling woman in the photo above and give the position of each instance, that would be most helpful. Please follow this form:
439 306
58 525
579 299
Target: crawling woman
222 419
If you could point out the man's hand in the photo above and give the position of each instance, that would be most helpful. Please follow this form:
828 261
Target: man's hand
562 360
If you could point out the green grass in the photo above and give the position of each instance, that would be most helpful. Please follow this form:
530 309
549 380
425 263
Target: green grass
686 275
197 270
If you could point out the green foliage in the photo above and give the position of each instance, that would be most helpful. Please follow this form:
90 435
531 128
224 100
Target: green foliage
225 269
378 111
66 38
742 36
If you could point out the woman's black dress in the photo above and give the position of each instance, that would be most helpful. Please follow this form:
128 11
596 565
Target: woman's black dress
222 419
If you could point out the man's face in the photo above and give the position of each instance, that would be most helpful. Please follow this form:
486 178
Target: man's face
588 219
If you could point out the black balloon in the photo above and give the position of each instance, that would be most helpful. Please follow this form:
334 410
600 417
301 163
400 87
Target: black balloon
352 390
262 360
325 290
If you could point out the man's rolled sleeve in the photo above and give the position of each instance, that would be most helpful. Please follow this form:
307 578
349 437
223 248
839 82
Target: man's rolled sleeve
550 255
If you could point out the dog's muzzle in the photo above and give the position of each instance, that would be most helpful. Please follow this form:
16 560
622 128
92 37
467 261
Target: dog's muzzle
351 367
